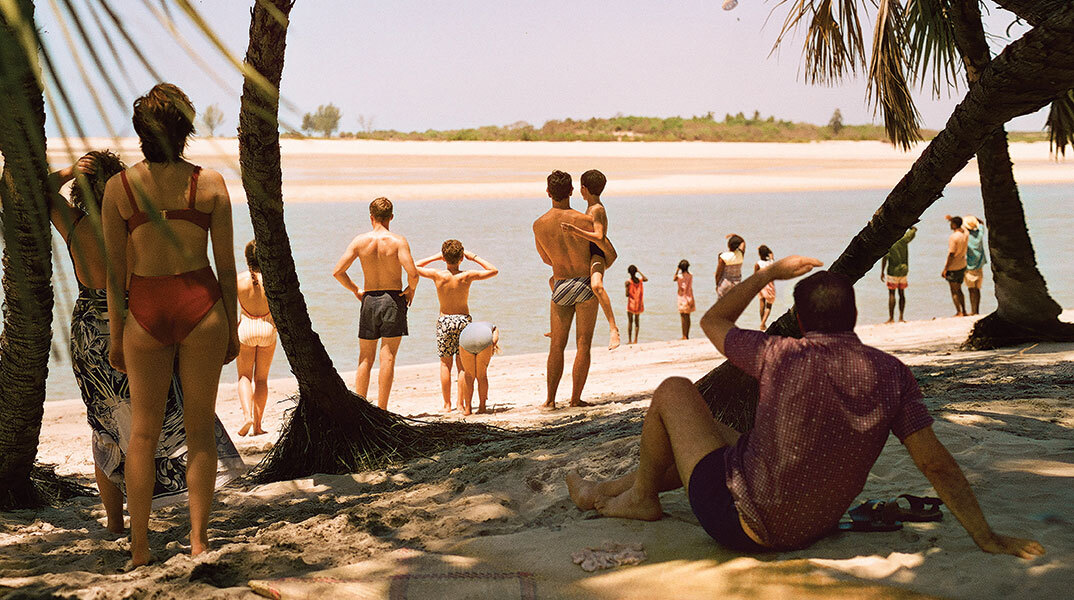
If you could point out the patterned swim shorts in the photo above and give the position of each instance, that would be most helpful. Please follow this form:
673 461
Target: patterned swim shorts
448 328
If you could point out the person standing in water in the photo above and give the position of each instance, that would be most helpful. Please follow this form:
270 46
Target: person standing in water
635 293
684 279
767 297
894 271
976 258
257 344
729 265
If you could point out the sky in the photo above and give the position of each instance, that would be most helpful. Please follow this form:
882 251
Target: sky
410 65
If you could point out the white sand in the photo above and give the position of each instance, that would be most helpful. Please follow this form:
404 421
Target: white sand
461 170
1007 416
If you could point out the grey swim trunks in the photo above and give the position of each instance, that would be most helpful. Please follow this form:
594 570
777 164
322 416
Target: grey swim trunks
476 337
383 315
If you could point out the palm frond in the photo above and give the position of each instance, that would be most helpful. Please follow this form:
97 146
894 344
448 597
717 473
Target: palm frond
887 89
833 46
933 55
1060 124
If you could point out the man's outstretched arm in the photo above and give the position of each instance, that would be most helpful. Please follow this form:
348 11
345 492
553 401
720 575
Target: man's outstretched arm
937 464
722 316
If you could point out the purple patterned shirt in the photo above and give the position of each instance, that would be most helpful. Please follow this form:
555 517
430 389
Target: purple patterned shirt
827 403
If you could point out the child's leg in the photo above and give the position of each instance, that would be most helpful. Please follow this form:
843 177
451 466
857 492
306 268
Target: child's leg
445 379
637 326
596 281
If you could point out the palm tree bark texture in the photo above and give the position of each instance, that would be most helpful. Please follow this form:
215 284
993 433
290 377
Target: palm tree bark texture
1025 77
27 259
331 429
1025 311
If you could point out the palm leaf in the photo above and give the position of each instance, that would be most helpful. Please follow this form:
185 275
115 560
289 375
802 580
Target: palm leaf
887 89
933 55
833 46
1060 123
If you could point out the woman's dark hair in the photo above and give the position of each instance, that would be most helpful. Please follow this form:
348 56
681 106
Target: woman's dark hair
251 259
734 241
105 165
633 271
164 121
764 251
684 266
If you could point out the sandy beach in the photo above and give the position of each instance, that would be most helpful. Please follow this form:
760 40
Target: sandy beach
470 170
497 514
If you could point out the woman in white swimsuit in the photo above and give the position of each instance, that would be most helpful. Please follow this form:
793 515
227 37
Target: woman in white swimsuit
257 344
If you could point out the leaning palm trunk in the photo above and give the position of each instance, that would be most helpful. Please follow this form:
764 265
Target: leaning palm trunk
1025 311
27 258
331 430
1026 76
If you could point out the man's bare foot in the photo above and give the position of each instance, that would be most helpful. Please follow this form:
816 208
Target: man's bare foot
613 340
889 321
198 546
139 556
245 428
629 506
582 491
958 314
902 320
579 403
115 526
547 406
481 410
259 431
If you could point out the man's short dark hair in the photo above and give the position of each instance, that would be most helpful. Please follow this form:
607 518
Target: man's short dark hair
164 121
452 251
824 302
560 185
956 221
593 181
381 209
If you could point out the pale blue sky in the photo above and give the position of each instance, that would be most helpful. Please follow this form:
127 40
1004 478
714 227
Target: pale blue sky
443 65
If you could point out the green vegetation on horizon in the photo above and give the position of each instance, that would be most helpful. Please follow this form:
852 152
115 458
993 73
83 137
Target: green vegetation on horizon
733 128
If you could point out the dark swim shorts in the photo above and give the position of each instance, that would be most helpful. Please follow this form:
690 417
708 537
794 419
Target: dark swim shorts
714 507
594 250
383 315
955 276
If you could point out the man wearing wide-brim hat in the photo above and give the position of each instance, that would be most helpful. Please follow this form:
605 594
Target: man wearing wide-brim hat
976 257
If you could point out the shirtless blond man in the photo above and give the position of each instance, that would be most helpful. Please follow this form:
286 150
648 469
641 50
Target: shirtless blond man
384 255
572 294
453 291
602 254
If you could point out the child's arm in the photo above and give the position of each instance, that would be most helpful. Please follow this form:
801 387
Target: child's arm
642 276
627 285
489 271
592 236
676 277
428 273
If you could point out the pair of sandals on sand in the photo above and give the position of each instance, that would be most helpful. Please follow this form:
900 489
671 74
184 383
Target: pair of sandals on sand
889 515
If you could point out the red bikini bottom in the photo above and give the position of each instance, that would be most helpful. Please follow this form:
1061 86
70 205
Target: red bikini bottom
169 307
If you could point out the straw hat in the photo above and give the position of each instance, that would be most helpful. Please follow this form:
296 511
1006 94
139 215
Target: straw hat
970 222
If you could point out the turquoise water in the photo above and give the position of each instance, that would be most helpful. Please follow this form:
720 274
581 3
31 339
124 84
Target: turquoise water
653 233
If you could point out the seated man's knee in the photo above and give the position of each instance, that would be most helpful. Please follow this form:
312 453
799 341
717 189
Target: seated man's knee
673 389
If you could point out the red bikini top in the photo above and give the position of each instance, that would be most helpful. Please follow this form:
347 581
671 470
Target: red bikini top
190 214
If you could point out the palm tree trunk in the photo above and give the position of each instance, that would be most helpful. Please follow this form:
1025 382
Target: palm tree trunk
27 259
331 430
1025 312
1026 76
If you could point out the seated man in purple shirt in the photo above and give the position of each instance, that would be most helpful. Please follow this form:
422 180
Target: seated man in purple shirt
827 403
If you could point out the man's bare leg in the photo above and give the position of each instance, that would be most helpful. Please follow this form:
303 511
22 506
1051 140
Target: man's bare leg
902 305
678 432
586 316
958 298
367 353
445 380
891 306
386 375
596 281
560 317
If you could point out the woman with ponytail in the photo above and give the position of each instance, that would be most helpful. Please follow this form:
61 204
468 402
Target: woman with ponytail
257 344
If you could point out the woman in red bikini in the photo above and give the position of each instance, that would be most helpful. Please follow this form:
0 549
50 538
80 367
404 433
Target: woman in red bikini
165 303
